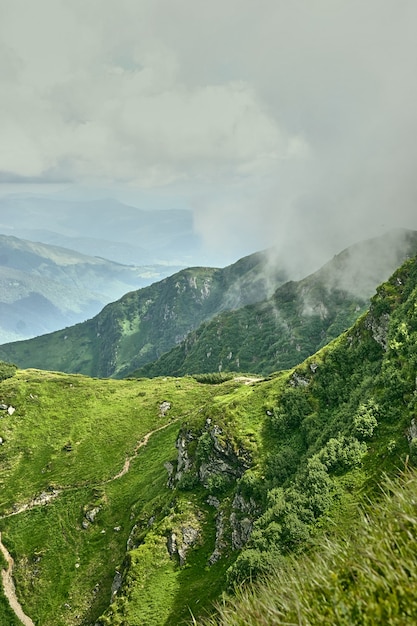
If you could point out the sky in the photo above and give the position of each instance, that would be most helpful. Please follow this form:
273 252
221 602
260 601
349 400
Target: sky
286 123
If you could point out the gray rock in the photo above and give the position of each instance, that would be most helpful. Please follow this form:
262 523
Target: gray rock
172 544
298 381
379 328
116 584
171 470
92 513
164 408
241 531
213 501
179 545
412 431
220 543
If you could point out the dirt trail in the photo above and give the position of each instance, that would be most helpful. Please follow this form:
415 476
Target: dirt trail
248 380
143 442
9 588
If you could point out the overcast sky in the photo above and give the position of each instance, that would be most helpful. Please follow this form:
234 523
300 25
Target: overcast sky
282 122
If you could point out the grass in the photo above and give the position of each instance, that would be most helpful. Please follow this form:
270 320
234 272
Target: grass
365 578
61 569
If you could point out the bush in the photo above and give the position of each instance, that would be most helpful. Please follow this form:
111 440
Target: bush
342 453
204 447
7 370
217 483
188 481
214 378
365 422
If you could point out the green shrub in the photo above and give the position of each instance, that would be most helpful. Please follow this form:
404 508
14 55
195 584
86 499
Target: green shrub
213 378
217 483
365 421
342 453
188 481
204 447
7 370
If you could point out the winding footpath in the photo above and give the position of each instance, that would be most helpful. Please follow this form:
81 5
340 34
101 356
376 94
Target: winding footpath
7 574
9 588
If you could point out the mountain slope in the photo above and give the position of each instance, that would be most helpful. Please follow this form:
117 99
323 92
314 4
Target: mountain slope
146 323
296 321
44 287
138 501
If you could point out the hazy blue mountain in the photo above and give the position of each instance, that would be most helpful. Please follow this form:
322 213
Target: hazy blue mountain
245 317
106 228
43 288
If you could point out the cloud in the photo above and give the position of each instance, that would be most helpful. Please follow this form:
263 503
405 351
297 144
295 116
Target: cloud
94 108
277 122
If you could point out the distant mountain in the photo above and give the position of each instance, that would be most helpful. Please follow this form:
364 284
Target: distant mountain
144 324
296 321
106 228
43 288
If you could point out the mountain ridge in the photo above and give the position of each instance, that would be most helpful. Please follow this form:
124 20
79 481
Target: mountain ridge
299 318
129 335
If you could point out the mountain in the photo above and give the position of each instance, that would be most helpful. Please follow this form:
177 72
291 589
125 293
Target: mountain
146 323
297 320
106 228
44 287
141 502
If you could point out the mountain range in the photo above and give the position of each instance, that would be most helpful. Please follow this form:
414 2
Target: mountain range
45 287
246 317
143 501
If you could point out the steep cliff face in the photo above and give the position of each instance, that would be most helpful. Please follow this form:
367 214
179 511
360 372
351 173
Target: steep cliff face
208 458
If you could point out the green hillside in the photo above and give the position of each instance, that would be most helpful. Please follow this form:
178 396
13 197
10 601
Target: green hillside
295 322
236 479
362 577
144 324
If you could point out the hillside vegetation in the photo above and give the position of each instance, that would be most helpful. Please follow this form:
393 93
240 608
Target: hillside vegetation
238 480
297 320
146 323
366 577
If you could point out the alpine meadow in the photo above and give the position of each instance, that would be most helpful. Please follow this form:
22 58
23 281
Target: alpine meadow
279 489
